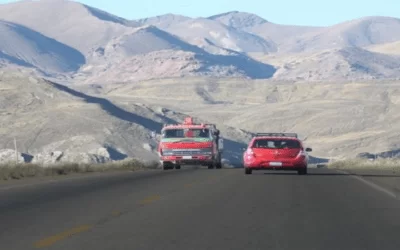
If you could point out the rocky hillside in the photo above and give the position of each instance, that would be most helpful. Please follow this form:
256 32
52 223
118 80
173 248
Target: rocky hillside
55 123
84 42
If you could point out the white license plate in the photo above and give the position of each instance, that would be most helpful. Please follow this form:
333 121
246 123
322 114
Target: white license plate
275 164
187 157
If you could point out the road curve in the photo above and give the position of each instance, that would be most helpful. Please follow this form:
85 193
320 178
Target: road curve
200 209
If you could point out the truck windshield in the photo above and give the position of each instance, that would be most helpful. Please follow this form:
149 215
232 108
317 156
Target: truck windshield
186 133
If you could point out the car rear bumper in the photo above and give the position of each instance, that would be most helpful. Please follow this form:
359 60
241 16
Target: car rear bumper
284 165
278 168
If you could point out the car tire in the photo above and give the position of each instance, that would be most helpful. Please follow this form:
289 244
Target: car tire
302 171
247 171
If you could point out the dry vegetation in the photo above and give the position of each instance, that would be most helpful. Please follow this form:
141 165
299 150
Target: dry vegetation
378 164
20 171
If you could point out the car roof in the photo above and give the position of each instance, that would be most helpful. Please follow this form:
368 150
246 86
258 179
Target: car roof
275 137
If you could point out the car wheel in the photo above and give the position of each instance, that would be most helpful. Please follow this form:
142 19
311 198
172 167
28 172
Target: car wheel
302 171
247 171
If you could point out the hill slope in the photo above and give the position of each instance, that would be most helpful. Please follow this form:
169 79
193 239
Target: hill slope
53 122
355 33
163 21
251 23
205 32
216 46
392 48
72 23
349 63
239 20
25 47
149 52
46 118
336 120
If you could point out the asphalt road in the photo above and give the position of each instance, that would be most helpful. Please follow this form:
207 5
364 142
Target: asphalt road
200 209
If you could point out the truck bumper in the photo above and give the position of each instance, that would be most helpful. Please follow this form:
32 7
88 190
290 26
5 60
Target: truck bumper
188 160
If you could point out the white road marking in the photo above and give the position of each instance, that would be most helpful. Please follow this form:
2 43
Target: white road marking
372 184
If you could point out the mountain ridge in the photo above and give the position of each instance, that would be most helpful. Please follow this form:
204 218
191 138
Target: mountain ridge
234 34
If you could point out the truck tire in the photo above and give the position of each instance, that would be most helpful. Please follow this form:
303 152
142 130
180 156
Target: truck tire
218 165
166 166
177 166
210 166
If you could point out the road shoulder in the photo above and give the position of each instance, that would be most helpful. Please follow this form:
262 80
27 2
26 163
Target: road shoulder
385 180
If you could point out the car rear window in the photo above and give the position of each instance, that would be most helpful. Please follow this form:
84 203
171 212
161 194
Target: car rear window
276 143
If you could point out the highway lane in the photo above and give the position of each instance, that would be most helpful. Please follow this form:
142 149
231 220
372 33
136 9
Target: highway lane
201 209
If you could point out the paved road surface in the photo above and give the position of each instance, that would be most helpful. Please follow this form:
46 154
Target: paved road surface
201 209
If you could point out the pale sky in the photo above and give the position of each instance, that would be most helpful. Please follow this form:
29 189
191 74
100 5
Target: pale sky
296 12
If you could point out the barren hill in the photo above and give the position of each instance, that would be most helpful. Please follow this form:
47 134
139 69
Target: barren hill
354 33
216 46
25 47
72 23
335 119
392 48
350 63
47 118
149 52
206 32
257 25
52 122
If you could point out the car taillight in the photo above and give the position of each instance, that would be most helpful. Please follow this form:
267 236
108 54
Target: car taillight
302 153
250 152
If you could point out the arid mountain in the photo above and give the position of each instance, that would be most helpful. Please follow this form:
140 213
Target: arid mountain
386 48
355 33
48 118
256 25
68 22
205 32
223 45
349 63
335 119
52 122
130 58
25 47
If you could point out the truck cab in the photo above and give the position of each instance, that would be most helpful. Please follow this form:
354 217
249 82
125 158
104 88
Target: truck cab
190 144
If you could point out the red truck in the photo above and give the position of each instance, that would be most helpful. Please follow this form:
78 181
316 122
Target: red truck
190 144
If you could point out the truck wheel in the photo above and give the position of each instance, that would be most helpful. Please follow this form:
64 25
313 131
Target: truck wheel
177 166
211 166
219 165
166 166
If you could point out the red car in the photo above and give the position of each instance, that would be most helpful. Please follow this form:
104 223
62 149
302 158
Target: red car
276 151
